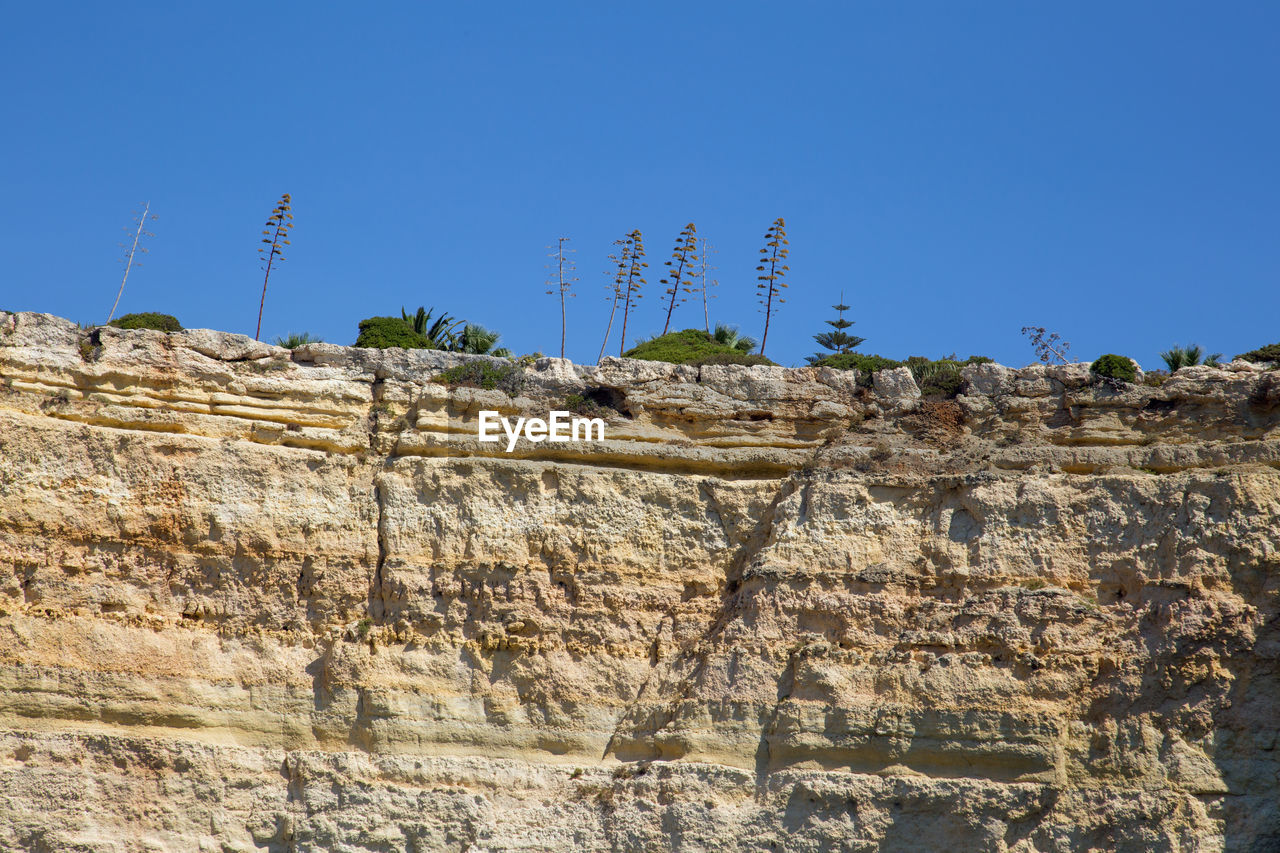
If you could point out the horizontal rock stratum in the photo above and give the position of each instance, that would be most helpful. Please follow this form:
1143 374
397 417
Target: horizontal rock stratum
256 599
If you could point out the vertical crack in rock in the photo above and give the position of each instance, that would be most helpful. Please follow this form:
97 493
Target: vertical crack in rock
377 594
751 549
294 811
764 752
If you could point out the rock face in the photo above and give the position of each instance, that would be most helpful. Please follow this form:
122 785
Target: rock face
254 599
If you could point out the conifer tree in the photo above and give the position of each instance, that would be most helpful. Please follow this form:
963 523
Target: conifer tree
275 235
679 278
634 282
838 341
772 269
561 281
132 251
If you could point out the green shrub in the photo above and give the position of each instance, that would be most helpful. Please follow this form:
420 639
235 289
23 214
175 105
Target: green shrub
588 406
866 365
484 374
597 401
526 360
942 378
680 347
580 405
1270 354
148 320
731 358
937 378
388 332
1118 367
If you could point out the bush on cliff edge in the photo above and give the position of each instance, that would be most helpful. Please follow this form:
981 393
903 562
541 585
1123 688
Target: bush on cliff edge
388 332
147 320
1117 367
1270 354
688 346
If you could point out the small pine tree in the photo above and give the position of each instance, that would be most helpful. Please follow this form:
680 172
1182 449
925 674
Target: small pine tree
561 281
275 235
634 282
134 249
684 257
772 269
838 341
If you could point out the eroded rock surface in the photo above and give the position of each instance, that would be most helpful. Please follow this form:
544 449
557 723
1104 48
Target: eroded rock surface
254 599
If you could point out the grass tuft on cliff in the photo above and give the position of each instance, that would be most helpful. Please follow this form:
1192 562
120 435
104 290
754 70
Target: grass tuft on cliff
293 340
690 346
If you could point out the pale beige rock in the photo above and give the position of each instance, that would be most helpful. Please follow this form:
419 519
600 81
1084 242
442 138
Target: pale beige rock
896 384
258 599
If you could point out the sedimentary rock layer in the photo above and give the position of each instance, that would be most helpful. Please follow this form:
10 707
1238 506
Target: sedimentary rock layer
261 599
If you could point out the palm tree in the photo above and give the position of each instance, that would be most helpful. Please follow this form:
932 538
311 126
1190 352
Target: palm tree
442 333
476 339
1188 356
728 335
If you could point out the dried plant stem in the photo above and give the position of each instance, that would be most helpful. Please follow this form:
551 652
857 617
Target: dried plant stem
129 263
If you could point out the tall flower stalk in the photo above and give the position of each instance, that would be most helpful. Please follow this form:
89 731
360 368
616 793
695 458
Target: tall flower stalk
276 236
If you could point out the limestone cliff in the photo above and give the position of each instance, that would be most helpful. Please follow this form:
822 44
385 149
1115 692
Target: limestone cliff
255 599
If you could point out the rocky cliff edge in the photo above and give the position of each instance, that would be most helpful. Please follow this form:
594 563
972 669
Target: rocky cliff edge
262 599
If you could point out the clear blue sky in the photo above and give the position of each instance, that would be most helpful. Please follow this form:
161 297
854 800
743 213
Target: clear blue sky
1109 170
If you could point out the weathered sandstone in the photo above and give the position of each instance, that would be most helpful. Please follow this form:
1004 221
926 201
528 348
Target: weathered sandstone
254 599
